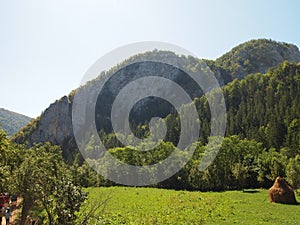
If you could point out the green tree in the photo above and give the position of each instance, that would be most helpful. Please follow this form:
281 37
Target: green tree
293 172
293 135
4 168
44 182
271 164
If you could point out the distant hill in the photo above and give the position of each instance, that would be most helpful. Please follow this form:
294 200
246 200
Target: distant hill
255 56
12 122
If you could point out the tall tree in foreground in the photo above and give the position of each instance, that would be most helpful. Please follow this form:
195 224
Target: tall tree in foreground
44 182
4 151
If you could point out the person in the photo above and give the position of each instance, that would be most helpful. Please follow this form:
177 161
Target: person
2 213
7 215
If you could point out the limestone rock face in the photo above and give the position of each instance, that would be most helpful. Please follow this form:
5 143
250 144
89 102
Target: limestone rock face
54 125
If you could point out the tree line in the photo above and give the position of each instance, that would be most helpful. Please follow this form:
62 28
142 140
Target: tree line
240 163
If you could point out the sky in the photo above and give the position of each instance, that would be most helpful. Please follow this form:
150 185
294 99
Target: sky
47 46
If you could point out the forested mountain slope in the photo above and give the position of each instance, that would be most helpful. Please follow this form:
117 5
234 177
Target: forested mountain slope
12 122
261 107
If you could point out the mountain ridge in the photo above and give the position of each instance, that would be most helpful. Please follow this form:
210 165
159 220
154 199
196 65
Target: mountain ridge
12 122
55 123
256 55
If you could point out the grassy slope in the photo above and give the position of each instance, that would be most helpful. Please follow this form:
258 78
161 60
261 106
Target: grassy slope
159 206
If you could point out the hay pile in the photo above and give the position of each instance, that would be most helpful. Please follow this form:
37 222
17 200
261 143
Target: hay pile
282 192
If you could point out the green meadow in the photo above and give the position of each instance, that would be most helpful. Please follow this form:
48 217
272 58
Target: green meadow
129 205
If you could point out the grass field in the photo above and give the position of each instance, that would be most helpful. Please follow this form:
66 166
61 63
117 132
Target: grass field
129 205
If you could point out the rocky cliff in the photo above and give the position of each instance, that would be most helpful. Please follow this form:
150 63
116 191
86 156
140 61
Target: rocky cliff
55 123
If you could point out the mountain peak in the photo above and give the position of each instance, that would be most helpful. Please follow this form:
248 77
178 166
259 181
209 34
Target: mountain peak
257 56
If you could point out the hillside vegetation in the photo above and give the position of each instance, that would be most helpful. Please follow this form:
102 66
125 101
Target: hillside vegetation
262 142
12 122
263 127
255 56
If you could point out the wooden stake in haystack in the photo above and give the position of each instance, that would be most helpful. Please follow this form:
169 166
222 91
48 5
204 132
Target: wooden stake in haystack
282 192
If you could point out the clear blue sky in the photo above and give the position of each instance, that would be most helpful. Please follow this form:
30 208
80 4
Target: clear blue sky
47 46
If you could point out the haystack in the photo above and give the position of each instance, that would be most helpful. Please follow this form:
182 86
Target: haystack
282 192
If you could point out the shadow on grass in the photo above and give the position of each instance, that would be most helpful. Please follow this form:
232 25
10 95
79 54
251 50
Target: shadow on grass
291 204
251 191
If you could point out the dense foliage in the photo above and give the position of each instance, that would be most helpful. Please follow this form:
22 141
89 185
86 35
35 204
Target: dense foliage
263 136
261 107
240 163
40 176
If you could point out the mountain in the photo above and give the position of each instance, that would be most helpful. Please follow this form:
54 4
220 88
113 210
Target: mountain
255 56
12 122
